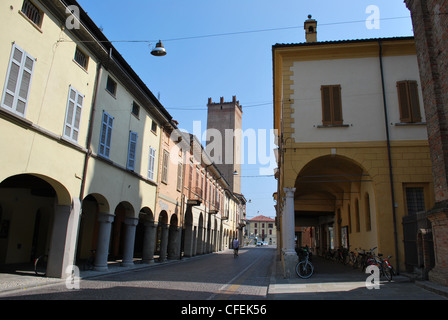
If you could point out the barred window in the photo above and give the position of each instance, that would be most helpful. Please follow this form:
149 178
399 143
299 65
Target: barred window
81 58
415 200
32 12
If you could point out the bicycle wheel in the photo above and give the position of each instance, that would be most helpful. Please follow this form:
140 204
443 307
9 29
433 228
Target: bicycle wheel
40 265
387 271
304 269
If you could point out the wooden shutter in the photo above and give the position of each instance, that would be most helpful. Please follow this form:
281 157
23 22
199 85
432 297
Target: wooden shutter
326 105
166 157
106 134
152 157
20 71
132 150
414 101
179 176
408 101
331 105
73 114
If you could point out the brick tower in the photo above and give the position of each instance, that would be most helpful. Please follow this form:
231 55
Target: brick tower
430 23
224 123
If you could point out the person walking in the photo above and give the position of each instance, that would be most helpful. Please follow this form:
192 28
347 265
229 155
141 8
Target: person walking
236 245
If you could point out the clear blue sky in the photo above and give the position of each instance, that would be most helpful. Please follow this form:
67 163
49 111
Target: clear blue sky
202 62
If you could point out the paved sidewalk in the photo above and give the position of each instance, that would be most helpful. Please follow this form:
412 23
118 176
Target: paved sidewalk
334 281
331 281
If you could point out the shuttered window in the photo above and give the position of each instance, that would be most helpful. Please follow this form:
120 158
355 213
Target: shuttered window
179 176
73 114
106 134
152 159
408 101
331 105
166 157
18 83
132 149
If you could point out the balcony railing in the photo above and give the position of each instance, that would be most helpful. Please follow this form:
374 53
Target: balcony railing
214 208
195 196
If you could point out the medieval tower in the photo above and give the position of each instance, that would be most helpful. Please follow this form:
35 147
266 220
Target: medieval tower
224 123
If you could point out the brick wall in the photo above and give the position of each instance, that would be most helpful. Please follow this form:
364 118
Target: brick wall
430 23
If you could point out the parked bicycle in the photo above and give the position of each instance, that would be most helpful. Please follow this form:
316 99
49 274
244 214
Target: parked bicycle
40 265
383 265
304 267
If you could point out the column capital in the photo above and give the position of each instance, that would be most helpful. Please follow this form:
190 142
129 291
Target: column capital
131 221
289 192
105 217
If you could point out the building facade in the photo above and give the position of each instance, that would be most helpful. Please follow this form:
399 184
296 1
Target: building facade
92 163
261 228
353 156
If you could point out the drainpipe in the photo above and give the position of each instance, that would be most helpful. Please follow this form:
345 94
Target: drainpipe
99 72
386 122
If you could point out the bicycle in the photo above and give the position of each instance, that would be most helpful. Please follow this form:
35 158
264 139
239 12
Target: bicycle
305 268
383 265
40 265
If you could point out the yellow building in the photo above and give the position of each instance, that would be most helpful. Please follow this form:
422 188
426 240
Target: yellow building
80 134
89 165
353 156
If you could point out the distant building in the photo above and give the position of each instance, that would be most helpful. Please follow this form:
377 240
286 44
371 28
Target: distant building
261 228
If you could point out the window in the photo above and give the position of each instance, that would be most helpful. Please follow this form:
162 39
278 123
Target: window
132 150
367 212
152 160
111 86
166 158
81 58
135 109
18 83
73 115
408 101
106 134
179 176
154 126
415 200
331 105
32 12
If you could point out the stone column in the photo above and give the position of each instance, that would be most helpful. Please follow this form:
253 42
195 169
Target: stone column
149 241
129 241
289 254
63 239
173 235
164 242
102 251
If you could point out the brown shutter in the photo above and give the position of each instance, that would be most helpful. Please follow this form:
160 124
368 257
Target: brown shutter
414 101
337 105
403 101
326 105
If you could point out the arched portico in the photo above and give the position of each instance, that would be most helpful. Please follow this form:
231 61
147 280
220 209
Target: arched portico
38 217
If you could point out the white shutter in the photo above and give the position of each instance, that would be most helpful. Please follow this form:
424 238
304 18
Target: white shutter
106 134
132 150
18 81
73 115
152 158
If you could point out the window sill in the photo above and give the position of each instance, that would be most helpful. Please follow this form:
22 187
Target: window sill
333 126
407 124
38 28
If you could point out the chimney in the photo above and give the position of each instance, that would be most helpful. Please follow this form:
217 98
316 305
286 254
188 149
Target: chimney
310 27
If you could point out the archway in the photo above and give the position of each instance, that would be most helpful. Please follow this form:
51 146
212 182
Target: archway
34 218
330 194
145 225
173 238
119 228
162 236
188 237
